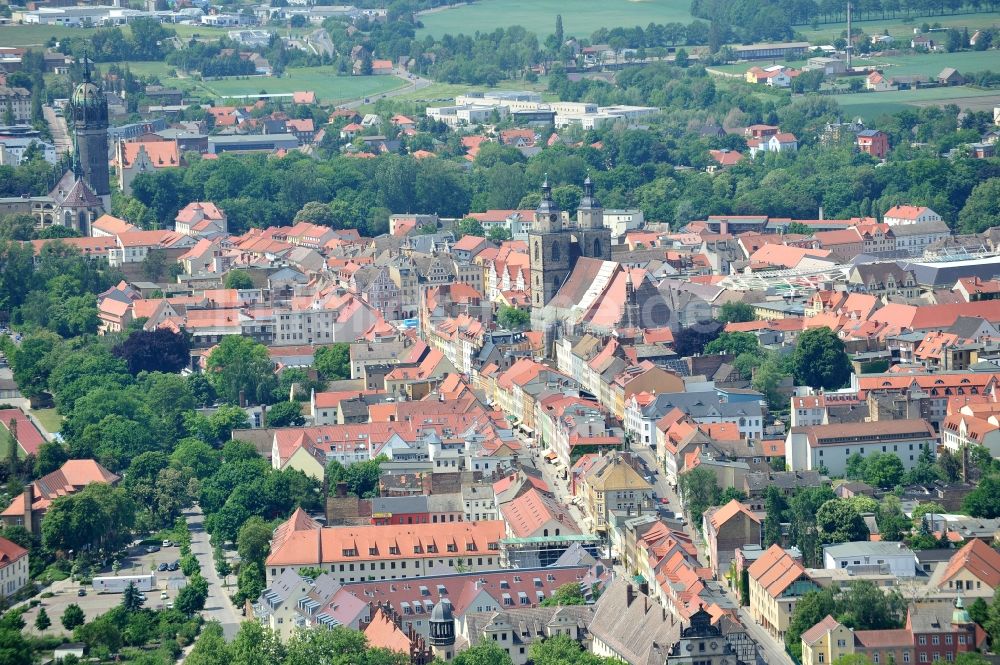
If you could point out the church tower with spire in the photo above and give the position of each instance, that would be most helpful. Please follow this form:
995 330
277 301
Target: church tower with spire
90 126
550 249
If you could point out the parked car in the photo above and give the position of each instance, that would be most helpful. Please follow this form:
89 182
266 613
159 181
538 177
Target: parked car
664 500
167 543
152 548
81 592
162 567
172 566
163 595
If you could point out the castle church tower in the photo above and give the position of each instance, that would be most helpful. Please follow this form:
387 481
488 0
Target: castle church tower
90 124
551 251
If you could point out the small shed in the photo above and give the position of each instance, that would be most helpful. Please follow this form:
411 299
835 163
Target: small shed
69 649
950 76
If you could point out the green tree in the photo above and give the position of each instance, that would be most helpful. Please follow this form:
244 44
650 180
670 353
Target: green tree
256 644
984 500
192 597
798 228
42 621
239 366
498 234
513 318
238 279
201 458
883 470
812 608
131 600
254 541
775 507
819 360
892 523
982 207
51 456
469 226
567 594
698 489
736 312
735 343
14 649
979 611
285 414
210 648
333 362
484 653
72 617
855 467
840 522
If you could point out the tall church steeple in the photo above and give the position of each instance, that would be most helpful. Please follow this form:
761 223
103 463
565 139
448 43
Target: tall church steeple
90 124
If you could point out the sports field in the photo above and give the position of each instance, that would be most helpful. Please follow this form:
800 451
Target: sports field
580 17
870 105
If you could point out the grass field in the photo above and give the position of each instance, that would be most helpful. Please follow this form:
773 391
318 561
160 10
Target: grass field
580 17
328 86
49 418
900 26
870 105
34 35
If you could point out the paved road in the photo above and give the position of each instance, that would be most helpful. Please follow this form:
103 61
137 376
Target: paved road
413 82
774 650
319 40
60 133
218 607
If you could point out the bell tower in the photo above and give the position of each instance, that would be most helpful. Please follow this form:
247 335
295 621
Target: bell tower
551 251
593 239
90 124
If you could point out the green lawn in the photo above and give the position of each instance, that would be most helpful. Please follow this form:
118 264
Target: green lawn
580 17
870 105
901 27
929 64
34 35
324 81
49 418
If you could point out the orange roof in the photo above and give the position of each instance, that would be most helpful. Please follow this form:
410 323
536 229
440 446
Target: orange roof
720 516
905 212
161 154
820 629
383 633
310 546
977 558
10 552
775 571
532 510
111 224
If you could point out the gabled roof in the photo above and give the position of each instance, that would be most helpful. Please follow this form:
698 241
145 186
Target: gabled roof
721 515
775 571
812 635
977 558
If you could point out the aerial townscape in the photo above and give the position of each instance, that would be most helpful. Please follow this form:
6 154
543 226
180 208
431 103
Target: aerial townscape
496 332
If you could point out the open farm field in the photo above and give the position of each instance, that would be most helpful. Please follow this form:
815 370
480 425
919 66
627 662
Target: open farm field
580 17
900 26
38 35
870 105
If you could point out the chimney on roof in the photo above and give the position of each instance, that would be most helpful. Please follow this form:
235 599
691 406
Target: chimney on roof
29 498
629 594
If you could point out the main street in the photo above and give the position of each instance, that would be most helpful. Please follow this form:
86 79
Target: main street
774 650
218 607
60 133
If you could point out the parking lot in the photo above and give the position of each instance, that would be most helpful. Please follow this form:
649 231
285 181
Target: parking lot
93 604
